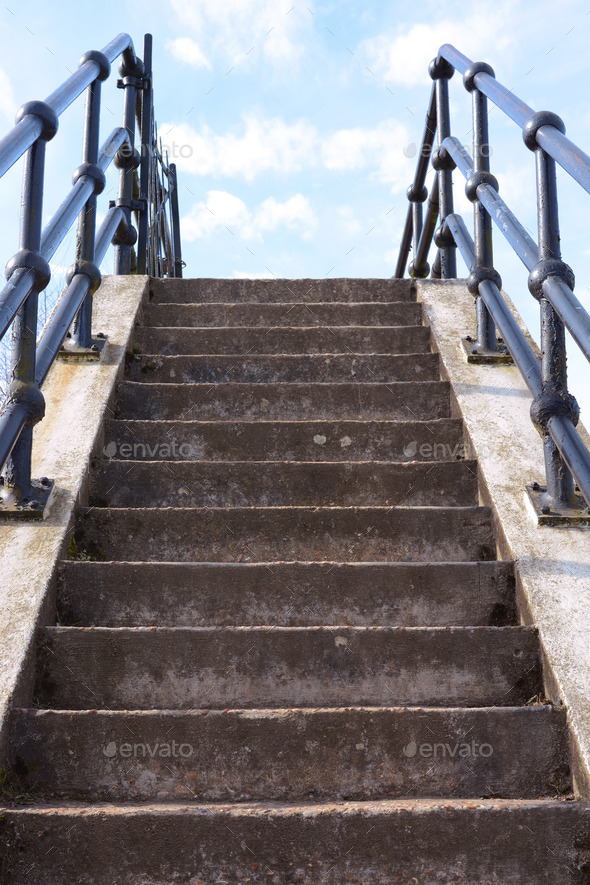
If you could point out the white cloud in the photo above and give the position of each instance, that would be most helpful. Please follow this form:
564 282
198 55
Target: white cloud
186 50
261 145
224 210
403 57
246 28
380 148
256 146
293 212
7 105
349 220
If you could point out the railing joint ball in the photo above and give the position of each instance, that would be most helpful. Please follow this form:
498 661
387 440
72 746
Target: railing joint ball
534 123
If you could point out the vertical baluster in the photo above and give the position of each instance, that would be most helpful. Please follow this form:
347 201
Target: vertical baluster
127 159
554 398
441 71
175 221
146 159
482 223
20 491
85 264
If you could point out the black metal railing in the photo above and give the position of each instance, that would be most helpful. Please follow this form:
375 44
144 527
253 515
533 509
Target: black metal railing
150 199
554 411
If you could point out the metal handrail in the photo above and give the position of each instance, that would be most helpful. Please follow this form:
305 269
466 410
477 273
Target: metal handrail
554 410
158 251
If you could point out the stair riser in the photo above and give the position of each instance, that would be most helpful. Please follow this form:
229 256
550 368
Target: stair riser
318 441
257 484
294 755
231 402
242 340
135 595
276 291
289 534
318 368
462 843
275 667
285 314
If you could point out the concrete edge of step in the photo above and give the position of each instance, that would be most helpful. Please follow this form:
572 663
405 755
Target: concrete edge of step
77 396
552 565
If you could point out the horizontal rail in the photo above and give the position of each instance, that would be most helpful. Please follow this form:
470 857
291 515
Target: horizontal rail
560 296
418 184
149 199
421 256
25 133
562 431
575 162
71 299
18 287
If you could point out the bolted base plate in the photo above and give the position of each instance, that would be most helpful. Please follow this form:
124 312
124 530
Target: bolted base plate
71 352
477 354
35 506
565 516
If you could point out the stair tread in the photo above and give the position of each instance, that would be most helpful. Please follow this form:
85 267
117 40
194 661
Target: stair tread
275 483
267 666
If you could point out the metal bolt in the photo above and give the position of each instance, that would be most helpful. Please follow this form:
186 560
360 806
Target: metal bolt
545 508
535 486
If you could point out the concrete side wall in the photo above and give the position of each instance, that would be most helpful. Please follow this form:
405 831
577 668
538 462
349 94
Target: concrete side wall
78 398
553 564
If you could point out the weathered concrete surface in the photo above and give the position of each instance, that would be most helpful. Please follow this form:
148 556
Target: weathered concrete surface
263 534
123 594
466 842
441 439
318 367
283 339
79 397
402 313
199 291
293 754
283 483
423 401
553 564
180 668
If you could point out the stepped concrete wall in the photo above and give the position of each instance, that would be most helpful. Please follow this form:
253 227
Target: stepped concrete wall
78 400
552 564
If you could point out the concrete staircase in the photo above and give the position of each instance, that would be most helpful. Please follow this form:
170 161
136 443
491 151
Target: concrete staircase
285 650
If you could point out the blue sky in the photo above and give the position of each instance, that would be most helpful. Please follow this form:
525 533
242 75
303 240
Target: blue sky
291 122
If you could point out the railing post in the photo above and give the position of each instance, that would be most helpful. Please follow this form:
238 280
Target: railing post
82 341
20 492
175 222
441 72
127 160
482 223
146 159
554 399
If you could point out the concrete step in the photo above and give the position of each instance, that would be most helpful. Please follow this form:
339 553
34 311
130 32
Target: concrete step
429 841
200 291
213 368
293 755
121 594
171 341
403 441
396 313
282 483
417 401
151 668
265 534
